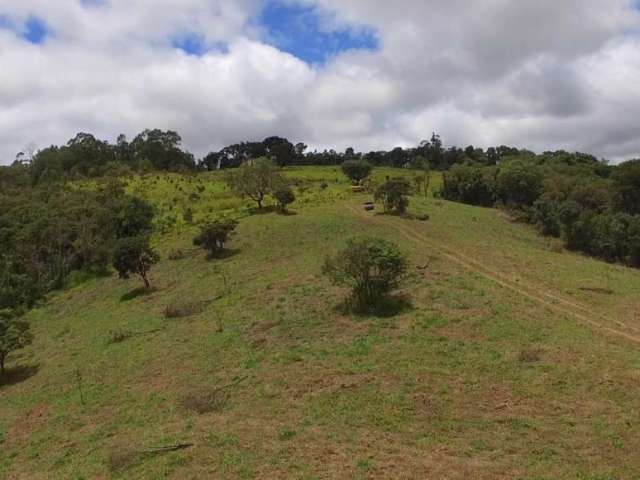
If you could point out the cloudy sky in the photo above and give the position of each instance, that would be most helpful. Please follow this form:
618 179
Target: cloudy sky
544 74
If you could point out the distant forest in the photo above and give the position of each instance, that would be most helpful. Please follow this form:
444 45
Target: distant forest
156 150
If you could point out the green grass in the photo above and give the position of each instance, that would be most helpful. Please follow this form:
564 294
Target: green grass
438 391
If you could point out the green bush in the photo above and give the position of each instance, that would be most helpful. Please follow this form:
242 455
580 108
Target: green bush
357 170
393 195
214 236
371 267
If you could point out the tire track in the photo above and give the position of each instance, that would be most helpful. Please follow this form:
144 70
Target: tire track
529 291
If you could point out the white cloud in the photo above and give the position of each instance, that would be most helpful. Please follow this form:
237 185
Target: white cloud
541 74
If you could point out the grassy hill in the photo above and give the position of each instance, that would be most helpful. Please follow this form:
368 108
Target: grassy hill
515 359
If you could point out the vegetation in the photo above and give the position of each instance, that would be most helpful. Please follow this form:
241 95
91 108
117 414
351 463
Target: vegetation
393 195
134 255
214 236
357 170
255 180
14 335
571 196
466 378
371 267
285 197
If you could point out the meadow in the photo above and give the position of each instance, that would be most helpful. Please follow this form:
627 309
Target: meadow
513 359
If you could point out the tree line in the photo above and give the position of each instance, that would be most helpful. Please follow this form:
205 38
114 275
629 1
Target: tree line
86 156
594 207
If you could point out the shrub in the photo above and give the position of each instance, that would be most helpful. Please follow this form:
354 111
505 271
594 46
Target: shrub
626 187
214 236
371 267
284 196
14 335
519 184
356 170
469 184
393 195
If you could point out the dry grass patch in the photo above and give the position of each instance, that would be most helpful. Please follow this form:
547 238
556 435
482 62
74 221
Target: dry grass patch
205 400
179 309
530 355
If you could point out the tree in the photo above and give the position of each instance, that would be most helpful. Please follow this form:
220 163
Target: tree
254 180
393 195
162 149
626 187
371 267
280 149
470 184
519 184
133 217
214 236
14 335
284 196
134 255
357 170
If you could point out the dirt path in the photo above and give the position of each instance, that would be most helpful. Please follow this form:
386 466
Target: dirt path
537 293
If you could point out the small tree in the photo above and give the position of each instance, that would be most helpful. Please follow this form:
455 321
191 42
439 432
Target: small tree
371 267
284 196
134 255
254 180
357 170
213 236
393 195
14 335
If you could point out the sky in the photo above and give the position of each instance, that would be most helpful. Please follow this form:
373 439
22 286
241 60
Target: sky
368 74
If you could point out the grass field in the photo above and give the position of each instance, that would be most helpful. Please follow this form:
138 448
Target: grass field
515 359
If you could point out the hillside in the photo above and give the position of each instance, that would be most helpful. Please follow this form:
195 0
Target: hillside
515 359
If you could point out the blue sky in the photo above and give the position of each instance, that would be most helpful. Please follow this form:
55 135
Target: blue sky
33 30
296 29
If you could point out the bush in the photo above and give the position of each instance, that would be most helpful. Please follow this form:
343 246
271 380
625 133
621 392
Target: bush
393 195
14 335
519 184
626 187
214 236
469 184
356 170
371 267
284 196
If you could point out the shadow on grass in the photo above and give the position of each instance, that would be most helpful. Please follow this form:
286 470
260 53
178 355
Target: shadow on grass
407 216
224 254
386 307
17 374
287 213
262 211
138 292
